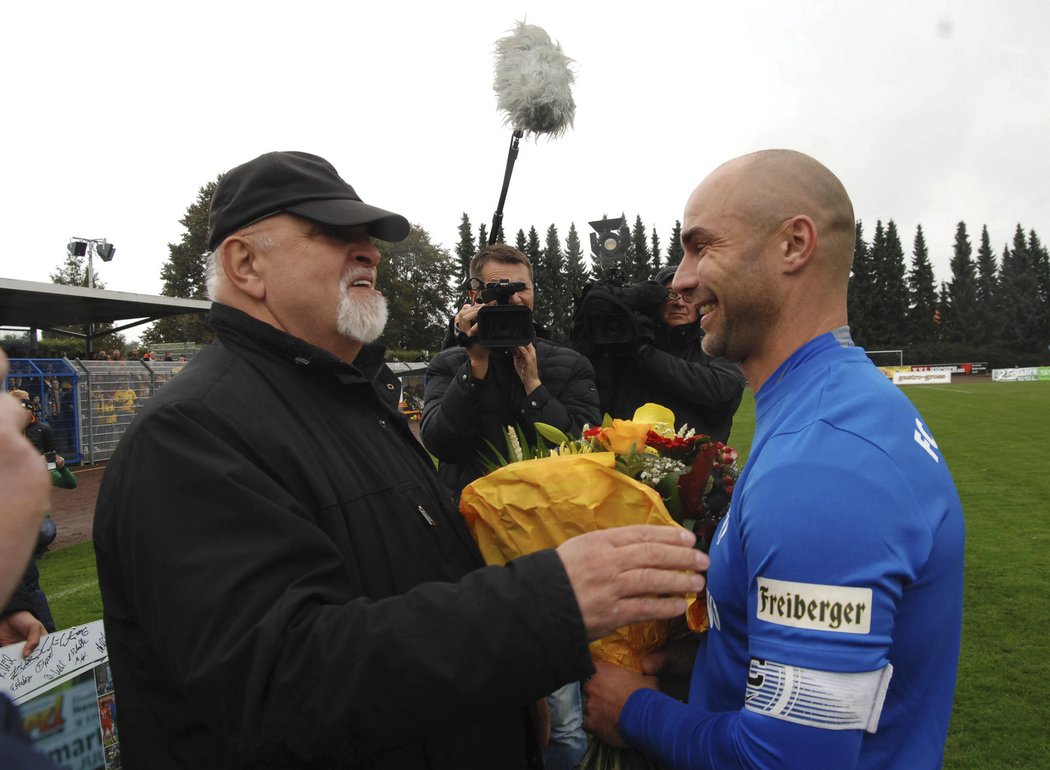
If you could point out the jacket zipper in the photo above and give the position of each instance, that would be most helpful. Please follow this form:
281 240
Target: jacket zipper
427 516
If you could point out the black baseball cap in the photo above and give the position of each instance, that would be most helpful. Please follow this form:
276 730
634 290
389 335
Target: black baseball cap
295 183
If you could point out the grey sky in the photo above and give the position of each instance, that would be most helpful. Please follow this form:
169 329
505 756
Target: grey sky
117 113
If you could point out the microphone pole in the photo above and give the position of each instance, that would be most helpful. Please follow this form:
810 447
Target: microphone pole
512 155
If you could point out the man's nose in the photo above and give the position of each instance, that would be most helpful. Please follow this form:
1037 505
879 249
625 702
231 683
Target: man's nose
366 252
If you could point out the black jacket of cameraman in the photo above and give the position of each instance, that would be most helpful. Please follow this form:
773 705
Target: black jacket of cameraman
673 371
461 413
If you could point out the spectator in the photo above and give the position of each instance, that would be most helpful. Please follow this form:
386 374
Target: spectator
302 594
473 392
836 578
37 431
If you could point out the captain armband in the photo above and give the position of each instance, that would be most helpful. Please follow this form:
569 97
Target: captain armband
829 700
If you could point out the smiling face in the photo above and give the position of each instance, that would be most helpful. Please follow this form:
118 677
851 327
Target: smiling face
320 282
726 271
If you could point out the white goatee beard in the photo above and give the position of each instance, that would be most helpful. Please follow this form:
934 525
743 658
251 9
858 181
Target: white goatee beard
360 318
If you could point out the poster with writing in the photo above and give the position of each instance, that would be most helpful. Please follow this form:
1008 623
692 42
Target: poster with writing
64 692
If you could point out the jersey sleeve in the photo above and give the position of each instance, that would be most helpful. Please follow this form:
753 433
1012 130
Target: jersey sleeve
831 542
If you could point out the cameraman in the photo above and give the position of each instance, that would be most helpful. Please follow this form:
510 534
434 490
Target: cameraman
474 392
664 364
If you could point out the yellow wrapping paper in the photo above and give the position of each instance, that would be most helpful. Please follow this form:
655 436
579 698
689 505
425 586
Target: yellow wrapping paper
535 504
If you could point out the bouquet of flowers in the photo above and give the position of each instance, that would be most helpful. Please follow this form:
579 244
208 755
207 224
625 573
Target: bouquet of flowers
638 471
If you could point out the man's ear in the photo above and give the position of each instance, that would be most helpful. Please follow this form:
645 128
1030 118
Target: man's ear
799 243
238 259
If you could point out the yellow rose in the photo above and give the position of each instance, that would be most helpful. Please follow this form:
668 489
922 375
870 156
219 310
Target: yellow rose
623 434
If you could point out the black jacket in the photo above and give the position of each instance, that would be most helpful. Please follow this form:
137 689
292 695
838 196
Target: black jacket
674 371
462 415
286 585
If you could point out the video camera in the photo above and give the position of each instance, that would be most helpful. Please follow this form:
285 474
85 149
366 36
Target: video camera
502 325
615 316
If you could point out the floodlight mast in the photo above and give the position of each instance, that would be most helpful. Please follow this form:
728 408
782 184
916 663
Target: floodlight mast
80 247
86 246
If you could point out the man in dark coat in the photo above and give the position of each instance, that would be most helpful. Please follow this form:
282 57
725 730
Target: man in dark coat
476 391
666 365
302 595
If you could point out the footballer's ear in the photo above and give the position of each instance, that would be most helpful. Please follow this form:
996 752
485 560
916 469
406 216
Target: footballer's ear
798 242
238 257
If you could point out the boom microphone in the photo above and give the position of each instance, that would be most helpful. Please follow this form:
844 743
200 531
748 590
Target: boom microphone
532 85
533 82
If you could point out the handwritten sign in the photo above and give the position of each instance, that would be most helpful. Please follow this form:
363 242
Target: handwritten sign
60 657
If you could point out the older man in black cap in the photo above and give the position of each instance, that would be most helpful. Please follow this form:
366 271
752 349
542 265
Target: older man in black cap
285 583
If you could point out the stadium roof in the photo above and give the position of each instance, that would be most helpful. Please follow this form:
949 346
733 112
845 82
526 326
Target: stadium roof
51 306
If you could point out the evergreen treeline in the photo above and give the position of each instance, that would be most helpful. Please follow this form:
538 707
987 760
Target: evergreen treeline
993 308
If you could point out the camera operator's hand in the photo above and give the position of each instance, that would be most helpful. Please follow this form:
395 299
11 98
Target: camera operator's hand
526 367
466 321
646 331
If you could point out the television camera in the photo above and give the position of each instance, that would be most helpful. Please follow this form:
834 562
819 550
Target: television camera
612 315
502 325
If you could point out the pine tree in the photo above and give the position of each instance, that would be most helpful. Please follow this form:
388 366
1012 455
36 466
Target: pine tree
892 289
465 249
640 266
675 252
520 243
878 324
1019 304
987 290
543 307
560 302
577 274
861 294
419 281
1041 268
184 275
922 293
483 237
656 252
961 320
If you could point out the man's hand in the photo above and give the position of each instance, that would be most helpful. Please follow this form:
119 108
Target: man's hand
673 664
604 696
26 486
628 574
466 321
526 367
22 626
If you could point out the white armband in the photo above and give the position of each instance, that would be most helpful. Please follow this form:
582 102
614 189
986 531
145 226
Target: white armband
826 699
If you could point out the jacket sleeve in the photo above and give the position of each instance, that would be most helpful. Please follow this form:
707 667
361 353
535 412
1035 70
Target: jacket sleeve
708 383
257 617
450 426
63 478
